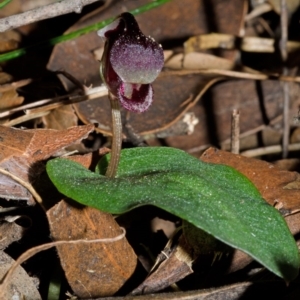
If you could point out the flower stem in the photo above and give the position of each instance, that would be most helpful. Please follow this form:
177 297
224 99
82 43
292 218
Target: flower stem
116 137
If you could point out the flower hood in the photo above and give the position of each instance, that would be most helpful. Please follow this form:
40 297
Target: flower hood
130 63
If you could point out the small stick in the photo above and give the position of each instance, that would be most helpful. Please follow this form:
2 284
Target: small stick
254 130
233 74
286 97
116 138
43 12
269 150
235 132
26 185
25 118
90 93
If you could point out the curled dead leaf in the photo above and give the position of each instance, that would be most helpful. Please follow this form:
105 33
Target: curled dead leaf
23 150
97 269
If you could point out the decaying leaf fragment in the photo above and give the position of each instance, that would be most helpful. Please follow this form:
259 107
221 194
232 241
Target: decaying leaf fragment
22 286
22 150
10 231
96 269
172 264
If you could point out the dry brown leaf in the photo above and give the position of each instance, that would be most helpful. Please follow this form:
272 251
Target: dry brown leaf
9 40
89 160
173 264
97 269
195 60
22 286
288 164
167 108
10 99
22 150
198 61
10 231
5 77
61 118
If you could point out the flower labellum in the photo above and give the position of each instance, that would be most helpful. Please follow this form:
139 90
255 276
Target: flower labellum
130 63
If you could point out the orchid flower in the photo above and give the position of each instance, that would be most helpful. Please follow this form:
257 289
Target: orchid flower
130 63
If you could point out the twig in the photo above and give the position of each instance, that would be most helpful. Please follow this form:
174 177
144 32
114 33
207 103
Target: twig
258 10
26 185
188 104
254 130
199 148
52 103
266 26
42 13
29 253
269 150
233 74
89 95
286 97
242 135
286 121
116 138
235 132
25 118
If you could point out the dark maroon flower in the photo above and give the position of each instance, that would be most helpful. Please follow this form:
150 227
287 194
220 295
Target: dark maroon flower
130 63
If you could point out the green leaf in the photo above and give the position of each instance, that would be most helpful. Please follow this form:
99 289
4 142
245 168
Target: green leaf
215 198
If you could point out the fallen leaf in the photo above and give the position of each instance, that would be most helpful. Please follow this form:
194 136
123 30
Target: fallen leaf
173 264
22 286
289 164
96 269
10 231
9 40
194 61
10 99
166 110
60 118
21 153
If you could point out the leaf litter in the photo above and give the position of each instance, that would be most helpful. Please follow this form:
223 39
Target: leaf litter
241 42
